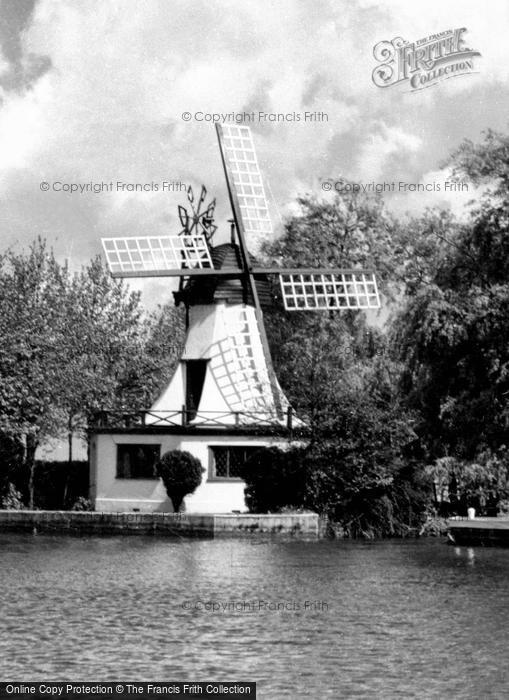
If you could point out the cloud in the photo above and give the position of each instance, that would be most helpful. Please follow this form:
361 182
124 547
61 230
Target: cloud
434 189
381 146
100 93
19 70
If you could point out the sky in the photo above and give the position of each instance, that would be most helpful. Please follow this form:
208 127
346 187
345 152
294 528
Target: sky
94 92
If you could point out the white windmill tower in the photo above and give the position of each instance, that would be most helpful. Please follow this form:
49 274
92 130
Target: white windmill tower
224 400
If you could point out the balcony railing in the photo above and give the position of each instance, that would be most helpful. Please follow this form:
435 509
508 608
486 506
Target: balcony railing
194 419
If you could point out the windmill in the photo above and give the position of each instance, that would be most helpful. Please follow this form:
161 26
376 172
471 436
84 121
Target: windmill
225 383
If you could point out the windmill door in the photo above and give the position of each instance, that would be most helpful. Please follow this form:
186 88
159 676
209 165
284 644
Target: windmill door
195 377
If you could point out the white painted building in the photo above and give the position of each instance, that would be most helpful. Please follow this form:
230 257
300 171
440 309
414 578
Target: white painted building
220 406
224 400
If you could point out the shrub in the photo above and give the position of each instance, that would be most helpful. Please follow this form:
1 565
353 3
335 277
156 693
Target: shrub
275 479
181 473
482 483
11 465
82 504
11 499
360 499
58 485
365 499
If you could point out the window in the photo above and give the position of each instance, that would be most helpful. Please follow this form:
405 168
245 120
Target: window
195 376
137 461
227 461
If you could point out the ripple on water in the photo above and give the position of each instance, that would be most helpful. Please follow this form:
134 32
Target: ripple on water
397 619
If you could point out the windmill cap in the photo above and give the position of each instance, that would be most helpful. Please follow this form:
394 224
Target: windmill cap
213 290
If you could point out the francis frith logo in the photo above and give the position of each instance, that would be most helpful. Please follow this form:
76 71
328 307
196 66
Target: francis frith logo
425 62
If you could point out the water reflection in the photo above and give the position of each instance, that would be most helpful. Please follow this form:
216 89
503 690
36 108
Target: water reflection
466 552
303 619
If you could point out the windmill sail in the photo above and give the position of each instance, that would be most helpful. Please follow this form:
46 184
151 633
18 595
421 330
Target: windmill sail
251 215
128 255
316 291
246 181
320 290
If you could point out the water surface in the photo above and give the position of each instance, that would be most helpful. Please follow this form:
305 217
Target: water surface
391 619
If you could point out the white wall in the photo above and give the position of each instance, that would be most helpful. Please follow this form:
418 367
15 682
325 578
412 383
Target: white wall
236 377
116 495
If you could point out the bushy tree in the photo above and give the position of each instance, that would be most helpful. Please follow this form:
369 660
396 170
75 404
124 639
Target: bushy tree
351 230
364 460
275 479
181 473
361 466
116 355
313 351
452 337
452 333
482 483
70 345
32 290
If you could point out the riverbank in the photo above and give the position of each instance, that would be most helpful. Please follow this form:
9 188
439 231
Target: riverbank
480 531
298 525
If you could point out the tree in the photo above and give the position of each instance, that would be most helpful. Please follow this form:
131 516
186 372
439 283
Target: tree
452 333
361 465
275 478
181 473
116 356
364 463
482 484
359 469
352 230
71 345
482 163
32 289
312 351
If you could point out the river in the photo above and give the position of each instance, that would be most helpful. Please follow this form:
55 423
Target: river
328 619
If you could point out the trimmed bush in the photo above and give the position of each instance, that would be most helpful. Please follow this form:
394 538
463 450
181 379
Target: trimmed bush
181 473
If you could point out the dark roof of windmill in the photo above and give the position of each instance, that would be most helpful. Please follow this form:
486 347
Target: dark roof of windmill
210 290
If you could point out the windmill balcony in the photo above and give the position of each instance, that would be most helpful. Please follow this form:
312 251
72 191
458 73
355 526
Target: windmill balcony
191 420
